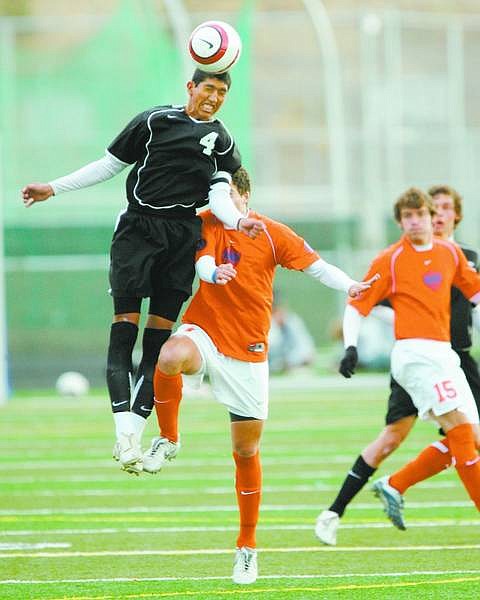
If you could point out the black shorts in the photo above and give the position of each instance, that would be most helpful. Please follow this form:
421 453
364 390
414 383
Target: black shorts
400 404
151 255
470 368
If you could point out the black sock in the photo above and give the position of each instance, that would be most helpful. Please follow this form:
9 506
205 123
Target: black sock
119 364
357 477
153 340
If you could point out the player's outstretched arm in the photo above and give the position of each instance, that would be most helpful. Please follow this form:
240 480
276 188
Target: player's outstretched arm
357 288
36 192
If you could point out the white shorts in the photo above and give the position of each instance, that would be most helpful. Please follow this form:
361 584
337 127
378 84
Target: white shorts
430 372
241 386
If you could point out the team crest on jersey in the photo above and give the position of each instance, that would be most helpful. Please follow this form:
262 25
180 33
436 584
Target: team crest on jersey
202 242
433 280
229 255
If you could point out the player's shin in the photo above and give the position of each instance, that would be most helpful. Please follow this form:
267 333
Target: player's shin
119 364
248 485
168 394
142 394
429 462
466 458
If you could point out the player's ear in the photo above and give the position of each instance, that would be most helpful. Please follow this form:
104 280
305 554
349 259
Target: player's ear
190 86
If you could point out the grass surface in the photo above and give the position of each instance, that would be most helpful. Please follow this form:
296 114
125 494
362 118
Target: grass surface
72 525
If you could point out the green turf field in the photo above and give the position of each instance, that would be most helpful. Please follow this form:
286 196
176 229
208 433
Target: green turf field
73 526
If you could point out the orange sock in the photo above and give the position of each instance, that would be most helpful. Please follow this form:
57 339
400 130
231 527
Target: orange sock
466 458
248 484
167 395
429 462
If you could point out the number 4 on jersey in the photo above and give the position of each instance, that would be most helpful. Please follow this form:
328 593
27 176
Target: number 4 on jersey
208 141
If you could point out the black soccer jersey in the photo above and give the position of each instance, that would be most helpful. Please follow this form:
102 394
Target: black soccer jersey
175 157
461 319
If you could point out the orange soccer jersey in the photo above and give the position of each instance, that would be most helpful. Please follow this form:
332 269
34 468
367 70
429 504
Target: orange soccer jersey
417 284
237 315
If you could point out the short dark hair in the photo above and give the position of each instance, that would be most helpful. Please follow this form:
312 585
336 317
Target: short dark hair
412 198
199 76
447 190
241 180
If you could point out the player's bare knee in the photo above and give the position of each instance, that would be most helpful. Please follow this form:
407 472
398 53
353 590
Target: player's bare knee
171 357
245 449
391 440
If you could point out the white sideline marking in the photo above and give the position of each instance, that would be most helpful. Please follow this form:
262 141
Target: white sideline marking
90 462
93 510
38 546
192 529
217 551
213 491
175 475
222 577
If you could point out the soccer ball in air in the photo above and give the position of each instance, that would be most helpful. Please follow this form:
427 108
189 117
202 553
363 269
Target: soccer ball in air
72 384
215 46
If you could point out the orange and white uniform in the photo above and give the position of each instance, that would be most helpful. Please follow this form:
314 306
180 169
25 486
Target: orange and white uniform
230 323
417 281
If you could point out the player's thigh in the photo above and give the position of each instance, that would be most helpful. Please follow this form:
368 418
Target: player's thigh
180 352
430 372
400 404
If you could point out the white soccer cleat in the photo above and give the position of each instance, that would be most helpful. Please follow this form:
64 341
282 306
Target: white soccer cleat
161 451
129 453
392 501
245 568
326 527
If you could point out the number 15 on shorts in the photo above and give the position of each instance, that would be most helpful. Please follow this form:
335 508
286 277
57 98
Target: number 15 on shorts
445 390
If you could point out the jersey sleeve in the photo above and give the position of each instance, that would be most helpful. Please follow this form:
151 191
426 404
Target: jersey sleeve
466 279
379 291
126 146
291 251
227 154
207 242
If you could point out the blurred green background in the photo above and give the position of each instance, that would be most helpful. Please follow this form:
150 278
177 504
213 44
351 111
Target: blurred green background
336 106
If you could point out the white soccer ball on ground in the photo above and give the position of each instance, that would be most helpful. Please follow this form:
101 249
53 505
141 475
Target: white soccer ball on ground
72 384
215 46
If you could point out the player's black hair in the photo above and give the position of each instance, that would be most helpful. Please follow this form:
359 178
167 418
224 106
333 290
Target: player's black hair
200 76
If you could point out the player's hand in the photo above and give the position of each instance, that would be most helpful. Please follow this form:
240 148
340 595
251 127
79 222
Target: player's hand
36 192
349 362
224 273
357 288
251 227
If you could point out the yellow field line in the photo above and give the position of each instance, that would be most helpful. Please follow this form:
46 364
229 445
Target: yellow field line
243 591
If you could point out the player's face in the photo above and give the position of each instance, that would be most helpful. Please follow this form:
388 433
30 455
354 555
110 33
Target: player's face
416 224
445 217
241 202
206 98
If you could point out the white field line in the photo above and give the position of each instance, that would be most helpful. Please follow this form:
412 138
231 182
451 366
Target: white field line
219 578
218 551
101 510
206 463
211 528
169 475
213 491
38 546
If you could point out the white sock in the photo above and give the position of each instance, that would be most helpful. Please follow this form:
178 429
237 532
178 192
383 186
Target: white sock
124 423
139 423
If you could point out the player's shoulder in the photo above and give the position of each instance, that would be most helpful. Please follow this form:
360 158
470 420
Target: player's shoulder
208 218
470 253
391 251
166 111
